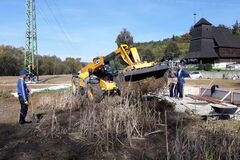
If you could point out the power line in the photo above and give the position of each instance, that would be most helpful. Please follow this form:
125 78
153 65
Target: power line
59 24
59 9
48 21
51 21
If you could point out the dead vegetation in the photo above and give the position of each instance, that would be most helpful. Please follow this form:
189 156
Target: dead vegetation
117 124
121 127
104 126
215 140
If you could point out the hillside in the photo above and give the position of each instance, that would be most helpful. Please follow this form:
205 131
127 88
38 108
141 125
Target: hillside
156 50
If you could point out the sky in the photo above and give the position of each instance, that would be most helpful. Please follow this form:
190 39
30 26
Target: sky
88 28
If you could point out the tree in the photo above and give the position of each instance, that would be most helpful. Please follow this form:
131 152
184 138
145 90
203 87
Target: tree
172 51
223 26
124 37
185 38
147 55
236 28
73 64
173 38
11 60
46 65
52 65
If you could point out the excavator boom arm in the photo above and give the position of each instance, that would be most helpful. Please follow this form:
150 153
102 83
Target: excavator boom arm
129 55
135 70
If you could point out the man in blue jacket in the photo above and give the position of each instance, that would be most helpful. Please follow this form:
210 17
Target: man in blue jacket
181 74
23 93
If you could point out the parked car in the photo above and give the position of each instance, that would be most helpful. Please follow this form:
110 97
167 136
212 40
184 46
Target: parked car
196 75
233 66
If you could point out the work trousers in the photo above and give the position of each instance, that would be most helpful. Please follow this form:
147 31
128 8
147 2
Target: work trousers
180 87
173 89
23 111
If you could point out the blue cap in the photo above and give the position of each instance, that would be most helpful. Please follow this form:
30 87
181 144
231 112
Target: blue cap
23 72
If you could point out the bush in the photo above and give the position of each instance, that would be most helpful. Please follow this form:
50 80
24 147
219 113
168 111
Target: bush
205 67
200 67
208 67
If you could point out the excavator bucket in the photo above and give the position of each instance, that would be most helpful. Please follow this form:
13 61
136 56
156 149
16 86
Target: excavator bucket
156 71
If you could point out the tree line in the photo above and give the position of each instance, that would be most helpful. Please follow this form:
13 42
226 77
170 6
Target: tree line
235 28
175 47
12 60
169 48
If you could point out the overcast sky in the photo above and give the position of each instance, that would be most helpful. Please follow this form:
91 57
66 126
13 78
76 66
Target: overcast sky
88 28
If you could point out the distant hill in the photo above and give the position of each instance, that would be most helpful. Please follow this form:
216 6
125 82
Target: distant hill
156 50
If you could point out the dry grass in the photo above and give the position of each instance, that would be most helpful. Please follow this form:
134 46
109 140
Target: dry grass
8 79
117 122
103 126
198 140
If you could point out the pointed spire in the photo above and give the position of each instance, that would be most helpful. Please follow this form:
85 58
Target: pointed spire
201 22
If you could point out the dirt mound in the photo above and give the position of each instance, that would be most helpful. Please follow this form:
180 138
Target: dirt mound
148 85
27 143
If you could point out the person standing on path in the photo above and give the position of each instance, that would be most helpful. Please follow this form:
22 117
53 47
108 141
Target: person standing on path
181 74
23 95
172 84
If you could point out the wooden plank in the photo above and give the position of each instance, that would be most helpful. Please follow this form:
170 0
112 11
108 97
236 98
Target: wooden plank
198 102
231 100
226 96
207 87
208 99
213 99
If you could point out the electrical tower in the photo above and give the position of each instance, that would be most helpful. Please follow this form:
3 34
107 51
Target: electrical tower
31 50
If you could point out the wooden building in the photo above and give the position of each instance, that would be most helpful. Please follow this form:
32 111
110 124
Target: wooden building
210 44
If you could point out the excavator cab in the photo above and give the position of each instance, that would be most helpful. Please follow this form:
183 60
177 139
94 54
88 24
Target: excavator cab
95 82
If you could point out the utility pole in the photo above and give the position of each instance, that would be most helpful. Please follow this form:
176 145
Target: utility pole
31 50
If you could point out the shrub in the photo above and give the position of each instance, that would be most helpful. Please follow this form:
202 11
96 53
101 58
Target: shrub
206 67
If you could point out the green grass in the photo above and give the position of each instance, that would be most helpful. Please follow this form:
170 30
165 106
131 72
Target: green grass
51 91
6 92
224 70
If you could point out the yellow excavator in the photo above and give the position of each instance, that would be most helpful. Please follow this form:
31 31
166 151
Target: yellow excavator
97 80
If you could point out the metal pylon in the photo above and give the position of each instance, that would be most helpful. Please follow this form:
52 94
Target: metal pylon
30 62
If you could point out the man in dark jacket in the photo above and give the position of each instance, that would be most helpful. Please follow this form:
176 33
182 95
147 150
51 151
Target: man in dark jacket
181 74
23 93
